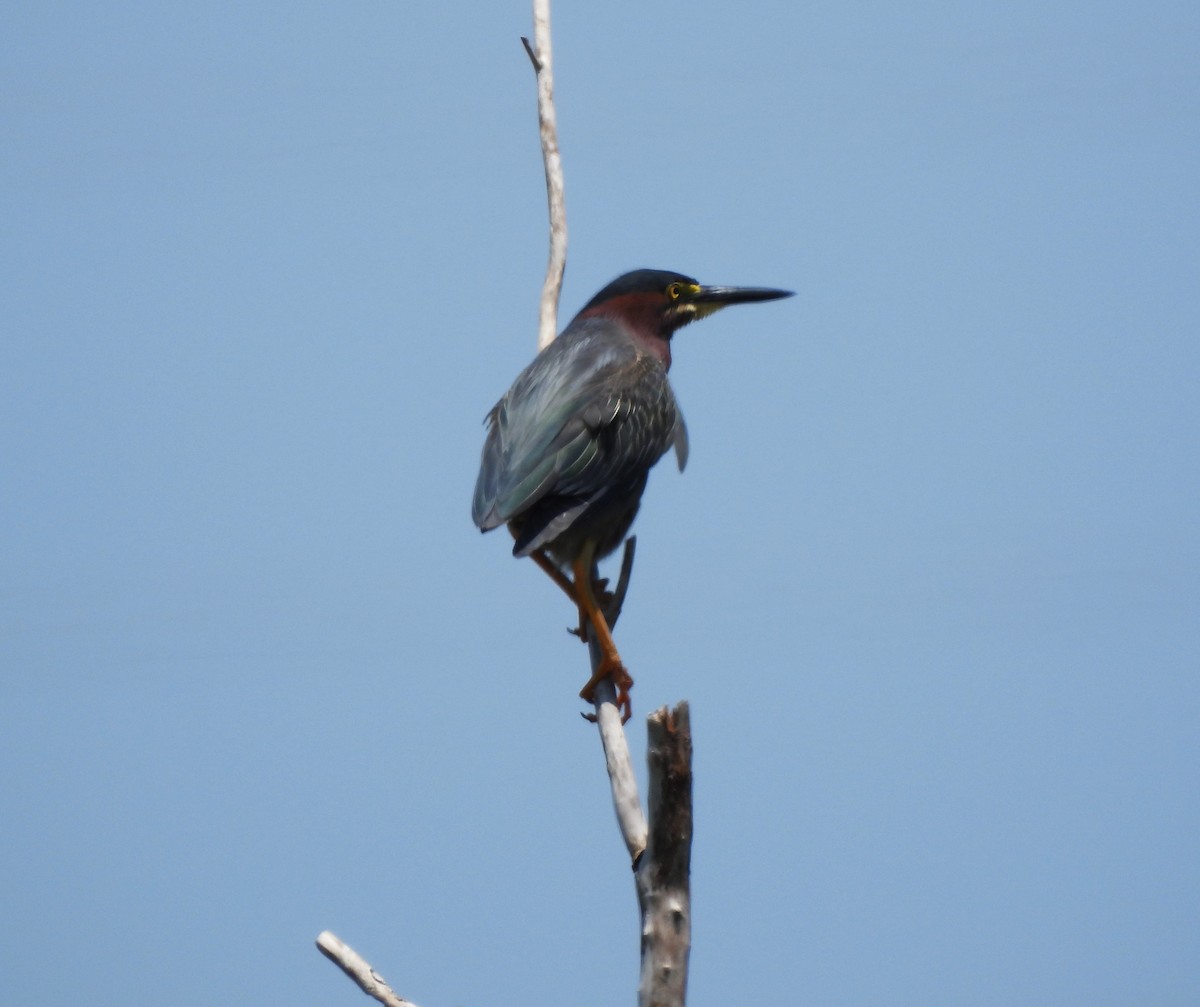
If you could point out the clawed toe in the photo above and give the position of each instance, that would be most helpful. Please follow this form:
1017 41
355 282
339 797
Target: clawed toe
610 667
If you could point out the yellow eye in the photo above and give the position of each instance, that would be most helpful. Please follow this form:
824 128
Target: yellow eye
674 290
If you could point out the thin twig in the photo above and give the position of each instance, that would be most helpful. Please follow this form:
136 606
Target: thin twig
537 63
543 65
359 970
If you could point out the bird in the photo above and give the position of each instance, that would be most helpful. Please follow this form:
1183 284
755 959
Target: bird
569 447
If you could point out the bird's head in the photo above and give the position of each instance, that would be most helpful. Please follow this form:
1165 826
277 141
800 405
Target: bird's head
657 302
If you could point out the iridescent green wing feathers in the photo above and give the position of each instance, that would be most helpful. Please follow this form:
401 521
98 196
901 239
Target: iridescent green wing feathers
588 413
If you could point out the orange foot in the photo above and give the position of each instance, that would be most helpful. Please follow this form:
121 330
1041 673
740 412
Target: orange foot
610 667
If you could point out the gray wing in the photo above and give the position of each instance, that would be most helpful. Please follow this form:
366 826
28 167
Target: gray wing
588 413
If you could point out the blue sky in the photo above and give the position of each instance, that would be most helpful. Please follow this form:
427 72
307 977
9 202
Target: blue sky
931 582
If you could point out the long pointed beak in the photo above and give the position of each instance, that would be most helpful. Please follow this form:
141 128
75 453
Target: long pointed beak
720 296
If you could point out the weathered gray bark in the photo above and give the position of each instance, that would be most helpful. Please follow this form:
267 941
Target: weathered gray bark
542 55
359 970
664 892
661 851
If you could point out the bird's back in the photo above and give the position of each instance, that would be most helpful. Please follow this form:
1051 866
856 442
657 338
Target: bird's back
571 442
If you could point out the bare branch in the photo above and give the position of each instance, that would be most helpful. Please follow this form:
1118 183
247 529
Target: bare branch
359 969
621 777
626 802
542 59
537 63
663 875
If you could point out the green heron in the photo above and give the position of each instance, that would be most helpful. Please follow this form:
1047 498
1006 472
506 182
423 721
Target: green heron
570 445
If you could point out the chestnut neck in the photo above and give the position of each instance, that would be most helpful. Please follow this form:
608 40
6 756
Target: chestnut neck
641 316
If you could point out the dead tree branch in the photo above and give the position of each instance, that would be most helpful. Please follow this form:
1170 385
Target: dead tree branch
660 852
359 970
621 777
664 893
542 56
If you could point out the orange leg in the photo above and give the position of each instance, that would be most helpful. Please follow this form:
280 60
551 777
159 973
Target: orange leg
555 574
610 661
582 594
